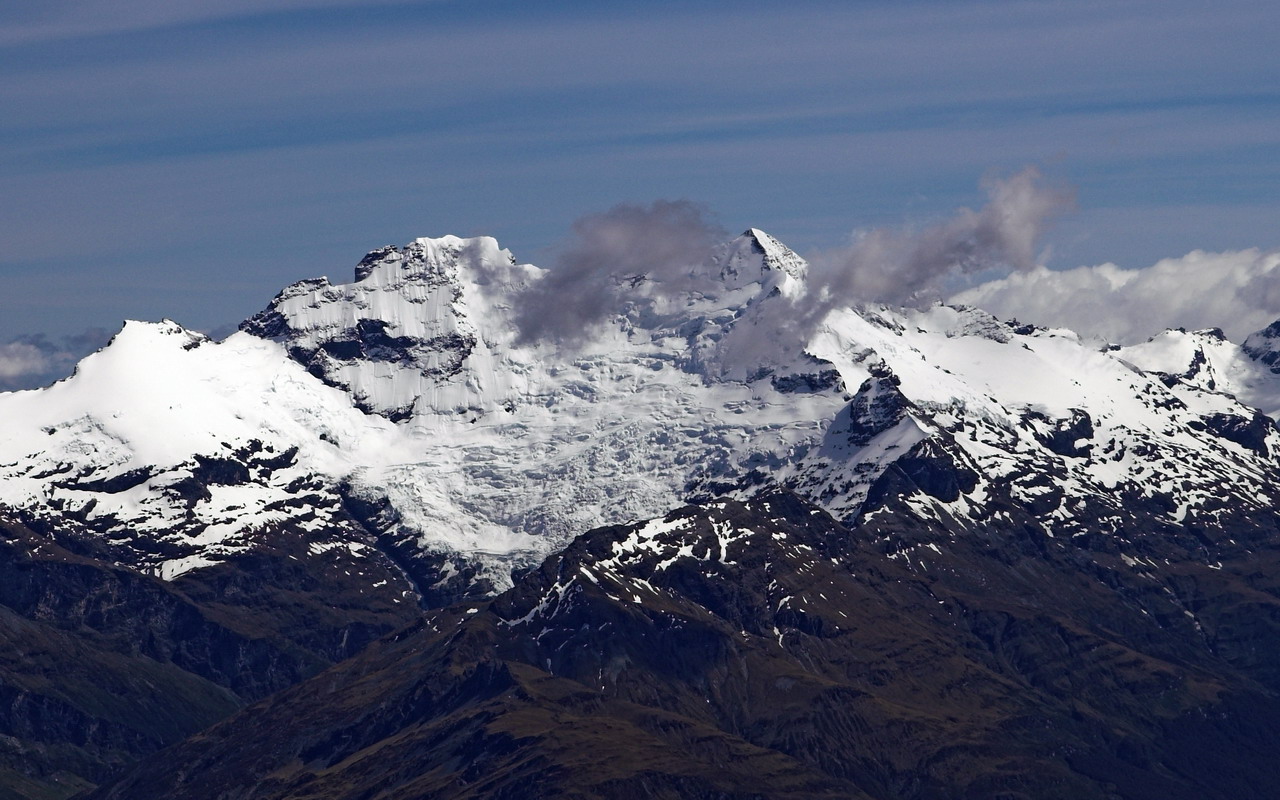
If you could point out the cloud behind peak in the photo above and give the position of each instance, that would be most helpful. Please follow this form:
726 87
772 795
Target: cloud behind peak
1238 291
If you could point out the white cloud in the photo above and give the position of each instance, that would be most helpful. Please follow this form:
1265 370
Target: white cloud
18 359
1238 291
35 360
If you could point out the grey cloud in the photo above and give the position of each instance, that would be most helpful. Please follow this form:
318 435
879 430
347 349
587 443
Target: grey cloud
909 267
1261 292
912 267
626 253
903 267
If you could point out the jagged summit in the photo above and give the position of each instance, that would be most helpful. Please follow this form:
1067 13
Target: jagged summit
431 328
414 330
426 256
1206 358
776 254
755 256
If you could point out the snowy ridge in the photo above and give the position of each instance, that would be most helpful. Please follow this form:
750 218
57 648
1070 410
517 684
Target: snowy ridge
982 419
403 410
181 447
416 333
1208 360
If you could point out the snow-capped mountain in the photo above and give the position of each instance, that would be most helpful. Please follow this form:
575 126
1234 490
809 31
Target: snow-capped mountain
1042 528
419 422
177 449
402 415
1209 360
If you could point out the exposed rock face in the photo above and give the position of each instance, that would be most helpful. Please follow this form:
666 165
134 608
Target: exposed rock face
1263 345
407 327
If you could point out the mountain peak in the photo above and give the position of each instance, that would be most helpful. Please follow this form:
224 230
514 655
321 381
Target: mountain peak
440 257
1264 346
755 257
140 340
776 254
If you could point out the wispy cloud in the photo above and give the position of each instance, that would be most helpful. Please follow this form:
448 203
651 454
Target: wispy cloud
20 360
905 266
625 254
53 20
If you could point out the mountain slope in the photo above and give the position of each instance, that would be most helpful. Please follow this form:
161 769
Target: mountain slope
104 664
764 650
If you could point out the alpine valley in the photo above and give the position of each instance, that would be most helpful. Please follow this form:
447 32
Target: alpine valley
381 544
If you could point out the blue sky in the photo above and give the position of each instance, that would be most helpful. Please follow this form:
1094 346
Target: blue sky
187 160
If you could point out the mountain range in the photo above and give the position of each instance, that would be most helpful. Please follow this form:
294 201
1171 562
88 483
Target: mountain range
385 542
